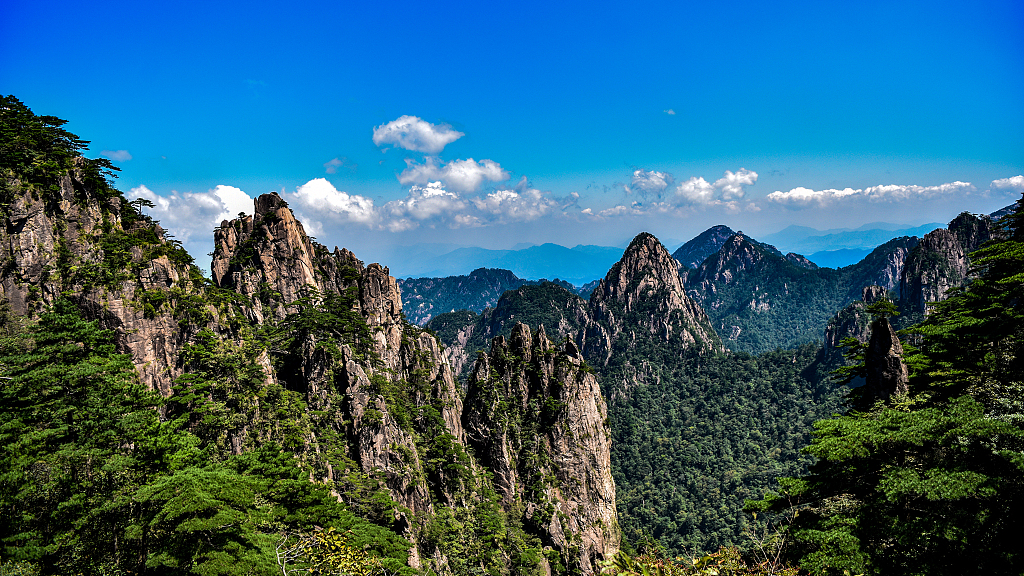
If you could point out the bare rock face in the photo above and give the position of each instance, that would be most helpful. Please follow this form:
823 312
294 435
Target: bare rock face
270 259
53 244
888 263
940 262
535 416
645 286
851 322
886 372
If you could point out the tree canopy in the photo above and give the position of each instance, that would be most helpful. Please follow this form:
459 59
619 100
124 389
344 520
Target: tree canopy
931 482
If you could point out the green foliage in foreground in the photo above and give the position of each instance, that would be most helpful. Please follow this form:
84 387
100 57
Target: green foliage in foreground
933 482
36 151
92 481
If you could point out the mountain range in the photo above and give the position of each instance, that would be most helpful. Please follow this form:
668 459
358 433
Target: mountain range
285 415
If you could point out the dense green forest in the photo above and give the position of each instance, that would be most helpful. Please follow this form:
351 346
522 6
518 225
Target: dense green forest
94 481
707 433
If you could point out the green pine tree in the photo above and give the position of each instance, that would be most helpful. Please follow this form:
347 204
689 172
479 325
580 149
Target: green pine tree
930 483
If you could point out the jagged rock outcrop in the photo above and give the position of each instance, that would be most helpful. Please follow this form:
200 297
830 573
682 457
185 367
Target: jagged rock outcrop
850 322
645 288
887 374
404 418
535 417
270 259
940 262
70 241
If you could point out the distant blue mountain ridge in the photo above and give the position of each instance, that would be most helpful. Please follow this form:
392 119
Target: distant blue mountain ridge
832 248
577 265
805 240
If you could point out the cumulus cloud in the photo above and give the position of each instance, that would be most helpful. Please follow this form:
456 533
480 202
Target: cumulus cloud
670 112
412 133
729 188
519 204
649 182
1014 184
459 175
731 185
117 155
192 216
801 197
320 199
430 204
696 190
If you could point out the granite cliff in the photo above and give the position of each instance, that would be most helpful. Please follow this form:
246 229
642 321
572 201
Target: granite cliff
380 414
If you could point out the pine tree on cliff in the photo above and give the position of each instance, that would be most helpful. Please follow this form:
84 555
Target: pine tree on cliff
932 481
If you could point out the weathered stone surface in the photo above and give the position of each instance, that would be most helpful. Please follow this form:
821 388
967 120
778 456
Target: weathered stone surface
534 412
886 372
646 287
42 227
940 262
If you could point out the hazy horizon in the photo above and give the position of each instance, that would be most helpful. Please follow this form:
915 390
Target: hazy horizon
402 124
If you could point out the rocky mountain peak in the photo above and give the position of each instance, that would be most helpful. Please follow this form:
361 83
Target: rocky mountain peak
645 289
645 265
941 262
738 254
705 244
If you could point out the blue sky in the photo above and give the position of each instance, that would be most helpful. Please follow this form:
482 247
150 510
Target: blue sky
469 123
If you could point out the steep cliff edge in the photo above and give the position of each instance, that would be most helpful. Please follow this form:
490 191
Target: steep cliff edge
83 241
387 390
941 262
536 418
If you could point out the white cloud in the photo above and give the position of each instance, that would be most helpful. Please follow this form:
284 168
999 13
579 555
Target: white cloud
670 112
804 197
728 188
1014 184
430 204
731 185
117 155
649 182
696 190
319 199
412 133
191 216
459 175
521 204
724 194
